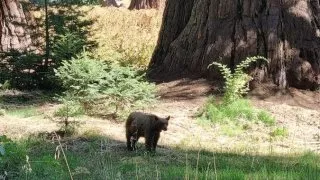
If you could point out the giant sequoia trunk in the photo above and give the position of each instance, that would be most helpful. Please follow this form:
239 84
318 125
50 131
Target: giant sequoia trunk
144 4
196 32
13 21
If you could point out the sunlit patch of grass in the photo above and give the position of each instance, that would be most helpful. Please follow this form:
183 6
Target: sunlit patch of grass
98 158
280 132
24 112
266 118
2 112
231 129
233 112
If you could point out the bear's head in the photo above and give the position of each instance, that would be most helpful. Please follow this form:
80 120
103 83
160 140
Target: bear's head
162 123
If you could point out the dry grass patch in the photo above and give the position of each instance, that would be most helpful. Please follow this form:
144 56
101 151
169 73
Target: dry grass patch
124 36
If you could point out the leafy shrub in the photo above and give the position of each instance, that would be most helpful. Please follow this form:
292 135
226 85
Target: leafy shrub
233 112
136 54
236 83
93 82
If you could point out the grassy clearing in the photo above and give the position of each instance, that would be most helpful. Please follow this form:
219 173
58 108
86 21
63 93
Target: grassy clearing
116 33
24 104
96 157
234 112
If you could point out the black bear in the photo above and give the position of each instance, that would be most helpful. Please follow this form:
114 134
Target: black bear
144 125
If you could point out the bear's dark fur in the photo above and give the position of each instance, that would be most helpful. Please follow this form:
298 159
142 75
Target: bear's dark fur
144 125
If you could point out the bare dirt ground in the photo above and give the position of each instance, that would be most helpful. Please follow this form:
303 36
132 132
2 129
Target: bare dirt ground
296 110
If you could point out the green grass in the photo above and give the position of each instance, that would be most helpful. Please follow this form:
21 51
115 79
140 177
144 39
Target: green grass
24 112
280 132
231 129
266 118
2 112
234 112
102 158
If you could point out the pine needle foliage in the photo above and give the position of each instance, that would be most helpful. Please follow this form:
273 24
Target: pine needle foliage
92 82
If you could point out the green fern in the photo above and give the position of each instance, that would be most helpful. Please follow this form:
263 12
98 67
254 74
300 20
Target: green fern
236 83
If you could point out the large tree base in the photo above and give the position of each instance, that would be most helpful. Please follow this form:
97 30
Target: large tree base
144 4
14 23
108 3
196 33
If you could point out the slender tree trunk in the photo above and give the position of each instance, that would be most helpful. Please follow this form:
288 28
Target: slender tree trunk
46 62
13 21
286 32
144 4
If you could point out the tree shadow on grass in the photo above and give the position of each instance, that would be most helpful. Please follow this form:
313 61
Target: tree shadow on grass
14 99
93 156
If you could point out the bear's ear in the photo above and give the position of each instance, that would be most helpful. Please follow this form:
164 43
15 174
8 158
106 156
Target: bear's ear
156 118
168 118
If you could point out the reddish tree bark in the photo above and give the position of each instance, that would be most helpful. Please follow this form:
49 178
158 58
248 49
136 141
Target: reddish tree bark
13 21
144 4
196 33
